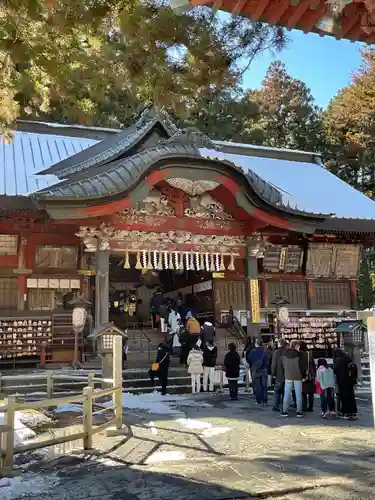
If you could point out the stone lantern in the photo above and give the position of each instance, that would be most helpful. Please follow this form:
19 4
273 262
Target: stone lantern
108 339
79 317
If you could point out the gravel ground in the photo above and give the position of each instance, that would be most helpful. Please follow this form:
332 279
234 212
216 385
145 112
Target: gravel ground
224 450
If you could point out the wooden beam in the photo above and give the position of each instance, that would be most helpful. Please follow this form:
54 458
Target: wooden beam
298 13
261 7
348 23
239 7
313 18
277 13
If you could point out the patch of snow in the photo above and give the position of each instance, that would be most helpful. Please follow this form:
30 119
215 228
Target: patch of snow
206 428
108 462
28 484
21 432
165 456
158 404
68 408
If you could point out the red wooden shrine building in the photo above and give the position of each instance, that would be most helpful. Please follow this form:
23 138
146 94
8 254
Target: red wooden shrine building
107 212
350 19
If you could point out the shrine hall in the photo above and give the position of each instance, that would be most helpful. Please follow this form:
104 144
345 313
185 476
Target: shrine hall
117 214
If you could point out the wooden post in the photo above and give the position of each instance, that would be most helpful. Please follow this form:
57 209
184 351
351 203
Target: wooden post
117 379
49 384
90 380
10 404
101 286
87 418
310 295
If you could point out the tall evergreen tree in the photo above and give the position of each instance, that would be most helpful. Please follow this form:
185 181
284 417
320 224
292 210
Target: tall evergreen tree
77 59
287 116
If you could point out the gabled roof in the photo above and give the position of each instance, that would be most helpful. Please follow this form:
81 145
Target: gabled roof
27 154
293 182
114 146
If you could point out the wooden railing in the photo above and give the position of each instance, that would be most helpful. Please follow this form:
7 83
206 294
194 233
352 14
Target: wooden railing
7 431
89 395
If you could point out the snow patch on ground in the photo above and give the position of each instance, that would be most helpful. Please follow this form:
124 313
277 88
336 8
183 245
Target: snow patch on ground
206 428
28 484
157 404
165 456
69 408
21 432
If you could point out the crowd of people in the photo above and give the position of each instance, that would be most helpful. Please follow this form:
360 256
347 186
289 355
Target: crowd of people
289 369
296 379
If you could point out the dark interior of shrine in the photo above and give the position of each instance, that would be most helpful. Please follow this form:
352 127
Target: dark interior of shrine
129 286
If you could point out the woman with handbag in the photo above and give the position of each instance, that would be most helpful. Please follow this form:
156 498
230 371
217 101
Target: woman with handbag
161 367
308 371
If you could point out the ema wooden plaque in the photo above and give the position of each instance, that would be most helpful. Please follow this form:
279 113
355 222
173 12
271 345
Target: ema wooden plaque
320 260
347 261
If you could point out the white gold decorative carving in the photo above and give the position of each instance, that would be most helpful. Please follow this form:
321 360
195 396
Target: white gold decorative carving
143 240
206 207
256 245
193 188
155 203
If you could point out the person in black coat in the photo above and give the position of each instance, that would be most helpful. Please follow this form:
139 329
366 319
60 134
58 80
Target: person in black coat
163 359
209 363
346 376
308 370
232 363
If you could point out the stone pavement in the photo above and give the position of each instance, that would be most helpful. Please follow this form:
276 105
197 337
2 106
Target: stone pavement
222 450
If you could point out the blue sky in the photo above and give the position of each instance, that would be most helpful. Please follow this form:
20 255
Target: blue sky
323 63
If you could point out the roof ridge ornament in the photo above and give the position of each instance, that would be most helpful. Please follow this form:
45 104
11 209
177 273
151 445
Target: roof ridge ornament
192 136
154 114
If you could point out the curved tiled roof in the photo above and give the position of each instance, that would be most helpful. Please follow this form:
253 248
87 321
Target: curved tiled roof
123 175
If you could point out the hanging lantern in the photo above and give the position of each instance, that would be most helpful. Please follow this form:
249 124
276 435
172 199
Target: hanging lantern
138 264
149 264
126 261
222 265
170 265
231 264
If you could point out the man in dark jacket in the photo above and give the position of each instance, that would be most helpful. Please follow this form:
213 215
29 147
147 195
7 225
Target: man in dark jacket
291 361
156 301
163 359
209 363
257 360
232 363
277 371
208 332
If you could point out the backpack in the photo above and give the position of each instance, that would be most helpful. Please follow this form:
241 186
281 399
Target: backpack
353 373
194 326
257 366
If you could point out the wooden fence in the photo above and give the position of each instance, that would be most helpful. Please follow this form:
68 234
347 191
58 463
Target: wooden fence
8 448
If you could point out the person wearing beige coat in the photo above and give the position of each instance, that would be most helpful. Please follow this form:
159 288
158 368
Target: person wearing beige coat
195 368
